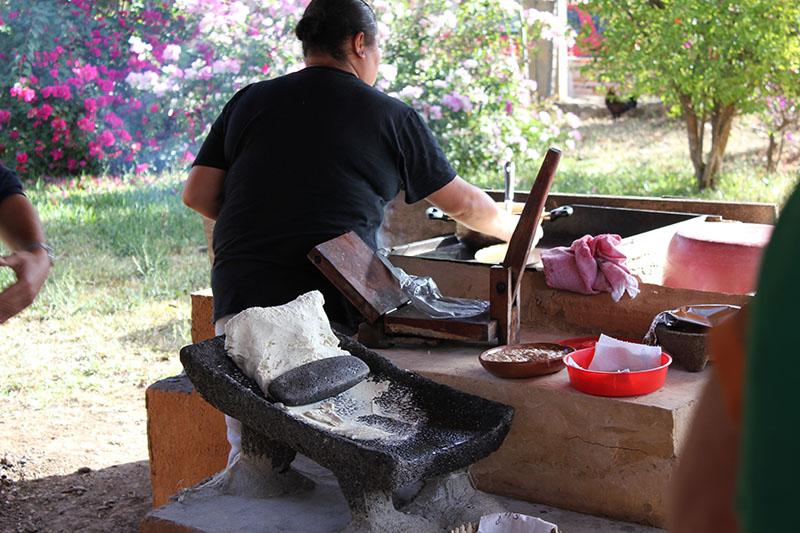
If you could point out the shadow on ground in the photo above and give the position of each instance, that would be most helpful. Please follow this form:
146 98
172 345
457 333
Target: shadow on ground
112 499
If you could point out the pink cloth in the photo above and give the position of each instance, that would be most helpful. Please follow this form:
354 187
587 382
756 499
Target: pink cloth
590 266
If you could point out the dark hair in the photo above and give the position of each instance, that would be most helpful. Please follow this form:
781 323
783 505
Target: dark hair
327 24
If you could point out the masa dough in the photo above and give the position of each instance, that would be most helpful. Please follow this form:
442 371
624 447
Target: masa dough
265 342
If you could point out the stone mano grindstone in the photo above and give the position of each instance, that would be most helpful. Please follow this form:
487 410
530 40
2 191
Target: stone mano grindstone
457 430
318 380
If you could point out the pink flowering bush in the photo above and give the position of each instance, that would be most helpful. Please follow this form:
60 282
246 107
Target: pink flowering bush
90 87
463 66
87 89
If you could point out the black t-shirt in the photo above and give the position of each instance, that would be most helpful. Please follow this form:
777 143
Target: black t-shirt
9 183
308 157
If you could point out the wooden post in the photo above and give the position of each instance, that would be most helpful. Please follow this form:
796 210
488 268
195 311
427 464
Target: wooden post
503 305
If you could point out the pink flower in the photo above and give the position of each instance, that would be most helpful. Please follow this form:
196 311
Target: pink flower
457 102
59 124
57 154
5 117
142 167
91 105
26 94
435 112
154 108
687 45
45 111
22 158
86 124
113 120
95 150
72 165
106 138
188 157
14 135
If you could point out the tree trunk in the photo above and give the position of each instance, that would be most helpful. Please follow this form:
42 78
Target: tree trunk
771 154
721 124
694 130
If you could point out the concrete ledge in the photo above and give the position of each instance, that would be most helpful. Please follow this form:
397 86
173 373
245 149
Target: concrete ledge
603 456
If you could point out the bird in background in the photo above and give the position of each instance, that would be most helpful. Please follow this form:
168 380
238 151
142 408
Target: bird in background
617 106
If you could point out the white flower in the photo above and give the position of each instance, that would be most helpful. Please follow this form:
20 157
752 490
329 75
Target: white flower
411 92
544 117
388 72
172 53
573 121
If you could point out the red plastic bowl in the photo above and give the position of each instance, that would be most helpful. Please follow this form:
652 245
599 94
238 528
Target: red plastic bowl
614 383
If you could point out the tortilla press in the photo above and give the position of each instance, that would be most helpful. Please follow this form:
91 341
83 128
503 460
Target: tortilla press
360 275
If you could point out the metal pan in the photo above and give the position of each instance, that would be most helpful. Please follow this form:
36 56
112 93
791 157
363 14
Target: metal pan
475 239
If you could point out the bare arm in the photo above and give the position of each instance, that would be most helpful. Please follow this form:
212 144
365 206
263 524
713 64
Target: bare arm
20 228
474 208
203 190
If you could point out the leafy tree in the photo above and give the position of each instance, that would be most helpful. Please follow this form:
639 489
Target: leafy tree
710 60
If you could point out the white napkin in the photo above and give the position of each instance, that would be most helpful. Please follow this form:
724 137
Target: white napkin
514 523
612 355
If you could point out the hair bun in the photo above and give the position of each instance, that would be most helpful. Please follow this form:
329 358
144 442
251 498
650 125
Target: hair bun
308 28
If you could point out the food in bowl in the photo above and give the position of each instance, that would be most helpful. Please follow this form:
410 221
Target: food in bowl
522 355
524 360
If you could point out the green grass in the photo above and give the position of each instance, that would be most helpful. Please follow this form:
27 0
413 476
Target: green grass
115 310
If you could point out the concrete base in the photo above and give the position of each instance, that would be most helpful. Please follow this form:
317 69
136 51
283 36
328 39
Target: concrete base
324 510
605 456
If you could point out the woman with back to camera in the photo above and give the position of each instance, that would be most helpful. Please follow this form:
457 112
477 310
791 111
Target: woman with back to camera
301 159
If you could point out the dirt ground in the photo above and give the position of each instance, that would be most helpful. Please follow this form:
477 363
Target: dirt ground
80 467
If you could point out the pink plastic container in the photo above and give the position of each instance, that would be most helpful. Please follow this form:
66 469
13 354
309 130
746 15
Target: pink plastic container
616 384
717 257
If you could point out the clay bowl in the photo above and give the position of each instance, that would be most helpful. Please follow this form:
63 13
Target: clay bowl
539 366
687 343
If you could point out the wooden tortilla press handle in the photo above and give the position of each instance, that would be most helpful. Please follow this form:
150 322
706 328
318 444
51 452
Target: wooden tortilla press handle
522 239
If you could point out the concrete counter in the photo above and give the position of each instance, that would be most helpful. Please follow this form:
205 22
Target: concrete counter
602 456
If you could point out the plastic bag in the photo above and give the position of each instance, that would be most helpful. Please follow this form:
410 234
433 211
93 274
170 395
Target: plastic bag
427 298
705 315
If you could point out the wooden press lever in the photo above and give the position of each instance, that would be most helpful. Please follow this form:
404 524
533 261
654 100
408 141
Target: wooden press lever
506 279
368 284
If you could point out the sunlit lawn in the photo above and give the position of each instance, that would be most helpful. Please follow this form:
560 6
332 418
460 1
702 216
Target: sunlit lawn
115 309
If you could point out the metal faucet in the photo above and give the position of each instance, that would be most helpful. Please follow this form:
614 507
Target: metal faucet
509 171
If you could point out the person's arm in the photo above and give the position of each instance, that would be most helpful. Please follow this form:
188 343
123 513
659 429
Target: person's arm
203 190
22 231
474 208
